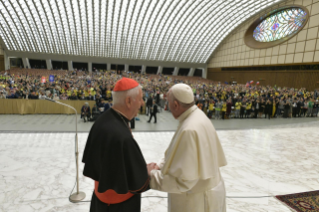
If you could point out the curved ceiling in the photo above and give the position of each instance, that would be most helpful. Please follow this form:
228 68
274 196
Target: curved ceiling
155 30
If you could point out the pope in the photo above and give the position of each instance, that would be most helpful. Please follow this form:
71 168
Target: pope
189 171
112 157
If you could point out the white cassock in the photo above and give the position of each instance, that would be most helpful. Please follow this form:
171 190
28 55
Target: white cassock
189 172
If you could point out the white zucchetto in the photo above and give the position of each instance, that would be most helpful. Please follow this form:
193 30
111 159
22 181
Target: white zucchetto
183 93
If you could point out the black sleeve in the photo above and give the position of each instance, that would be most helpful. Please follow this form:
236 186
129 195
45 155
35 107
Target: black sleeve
123 169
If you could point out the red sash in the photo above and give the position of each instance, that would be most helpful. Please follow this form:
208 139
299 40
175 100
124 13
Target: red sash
110 196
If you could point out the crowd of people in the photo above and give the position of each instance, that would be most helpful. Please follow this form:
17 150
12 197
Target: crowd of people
217 100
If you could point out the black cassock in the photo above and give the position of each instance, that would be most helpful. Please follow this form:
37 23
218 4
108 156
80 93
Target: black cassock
113 158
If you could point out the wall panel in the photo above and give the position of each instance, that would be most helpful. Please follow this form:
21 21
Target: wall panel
293 78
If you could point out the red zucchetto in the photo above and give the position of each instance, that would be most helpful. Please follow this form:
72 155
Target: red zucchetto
125 84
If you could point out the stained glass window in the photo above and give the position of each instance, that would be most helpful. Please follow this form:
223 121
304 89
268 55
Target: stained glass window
280 25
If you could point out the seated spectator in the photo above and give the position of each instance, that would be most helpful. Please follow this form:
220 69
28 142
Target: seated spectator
47 92
42 95
82 97
55 90
101 106
2 95
79 94
5 92
33 95
73 97
64 96
11 95
24 93
50 96
56 97
98 100
95 112
19 93
107 105
90 97
86 112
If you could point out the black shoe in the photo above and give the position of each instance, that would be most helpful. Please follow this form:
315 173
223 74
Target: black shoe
155 122
148 121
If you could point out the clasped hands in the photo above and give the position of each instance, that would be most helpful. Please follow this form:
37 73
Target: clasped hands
150 167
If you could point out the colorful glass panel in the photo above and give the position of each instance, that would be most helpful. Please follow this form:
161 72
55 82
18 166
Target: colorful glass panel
280 25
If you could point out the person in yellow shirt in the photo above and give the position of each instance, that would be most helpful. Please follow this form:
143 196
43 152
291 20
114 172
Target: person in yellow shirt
86 92
224 108
210 109
78 93
248 109
108 94
69 92
93 92
237 109
273 107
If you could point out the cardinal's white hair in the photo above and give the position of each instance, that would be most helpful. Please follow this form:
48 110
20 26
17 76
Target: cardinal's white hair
120 96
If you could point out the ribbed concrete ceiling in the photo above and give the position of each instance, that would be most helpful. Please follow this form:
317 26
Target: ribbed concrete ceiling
160 30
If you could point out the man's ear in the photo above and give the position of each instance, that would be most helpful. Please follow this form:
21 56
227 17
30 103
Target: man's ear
176 104
128 102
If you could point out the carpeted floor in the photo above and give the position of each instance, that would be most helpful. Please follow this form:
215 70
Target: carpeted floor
301 202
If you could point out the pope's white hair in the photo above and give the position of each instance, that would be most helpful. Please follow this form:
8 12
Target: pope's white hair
120 96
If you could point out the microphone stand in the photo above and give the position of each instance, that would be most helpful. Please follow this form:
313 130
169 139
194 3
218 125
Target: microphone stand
78 195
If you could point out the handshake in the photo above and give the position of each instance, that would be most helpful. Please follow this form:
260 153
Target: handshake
150 167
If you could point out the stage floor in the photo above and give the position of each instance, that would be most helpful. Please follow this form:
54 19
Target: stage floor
165 122
37 170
